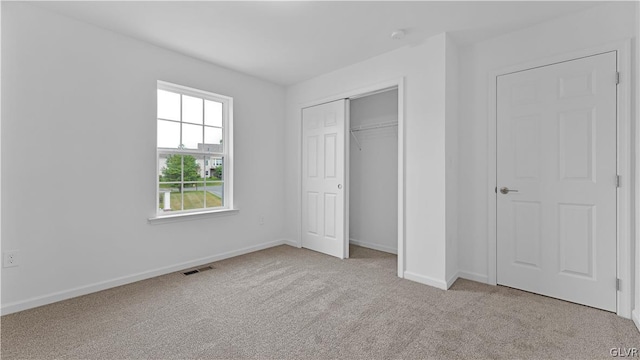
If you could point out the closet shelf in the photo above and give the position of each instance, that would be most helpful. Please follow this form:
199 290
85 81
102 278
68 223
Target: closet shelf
374 126
370 127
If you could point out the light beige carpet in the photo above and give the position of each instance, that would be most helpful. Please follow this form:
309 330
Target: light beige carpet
287 303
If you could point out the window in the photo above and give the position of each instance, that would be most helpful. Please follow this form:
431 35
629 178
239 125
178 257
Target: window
194 130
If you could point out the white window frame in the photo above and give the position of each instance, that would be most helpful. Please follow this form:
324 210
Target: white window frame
227 152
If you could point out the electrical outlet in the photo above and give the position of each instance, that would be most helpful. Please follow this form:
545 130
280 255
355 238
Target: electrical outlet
261 220
11 258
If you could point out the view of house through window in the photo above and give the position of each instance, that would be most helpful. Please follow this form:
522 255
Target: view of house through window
192 151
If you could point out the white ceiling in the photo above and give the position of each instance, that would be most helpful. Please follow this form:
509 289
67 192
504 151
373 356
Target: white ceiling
287 42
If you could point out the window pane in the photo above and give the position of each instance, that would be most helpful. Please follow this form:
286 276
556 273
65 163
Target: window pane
169 168
212 113
214 166
168 134
169 198
215 194
168 105
215 185
213 136
201 167
191 109
191 136
193 196
192 168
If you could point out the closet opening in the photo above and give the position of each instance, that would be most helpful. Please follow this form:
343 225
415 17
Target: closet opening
352 174
372 168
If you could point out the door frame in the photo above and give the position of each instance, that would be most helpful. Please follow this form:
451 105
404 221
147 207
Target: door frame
624 155
359 92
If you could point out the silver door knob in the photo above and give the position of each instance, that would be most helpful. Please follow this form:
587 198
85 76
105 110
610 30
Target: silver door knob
339 186
506 190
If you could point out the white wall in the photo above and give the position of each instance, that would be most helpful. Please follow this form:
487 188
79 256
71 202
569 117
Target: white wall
595 26
373 183
451 150
84 99
423 68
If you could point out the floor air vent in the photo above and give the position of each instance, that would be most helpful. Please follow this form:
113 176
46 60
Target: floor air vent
195 271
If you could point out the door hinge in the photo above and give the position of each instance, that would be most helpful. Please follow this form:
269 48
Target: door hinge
617 181
617 284
617 77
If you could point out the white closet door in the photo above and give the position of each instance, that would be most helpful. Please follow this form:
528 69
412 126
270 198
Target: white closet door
323 173
557 147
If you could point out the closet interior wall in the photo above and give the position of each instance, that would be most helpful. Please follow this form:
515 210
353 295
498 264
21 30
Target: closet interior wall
373 171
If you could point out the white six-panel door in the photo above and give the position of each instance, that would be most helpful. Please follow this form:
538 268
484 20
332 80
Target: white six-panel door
323 173
556 146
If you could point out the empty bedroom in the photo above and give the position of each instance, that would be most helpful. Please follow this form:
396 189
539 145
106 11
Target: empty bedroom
319 180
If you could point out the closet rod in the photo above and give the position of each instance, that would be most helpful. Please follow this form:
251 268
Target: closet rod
374 126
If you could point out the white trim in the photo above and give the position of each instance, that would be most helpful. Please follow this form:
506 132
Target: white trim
468 275
453 279
167 151
191 215
492 231
635 315
227 170
625 154
299 177
624 162
375 92
227 147
128 279
181 89
426 280
365 90
368 245
359 92
347 176
292 243
401 184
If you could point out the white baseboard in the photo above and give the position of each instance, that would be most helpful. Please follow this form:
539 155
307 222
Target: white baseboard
473 276
452 279
440 284
368 245
107 284
295 244
635 315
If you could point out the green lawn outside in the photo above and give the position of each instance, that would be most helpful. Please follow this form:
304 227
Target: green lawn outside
192 200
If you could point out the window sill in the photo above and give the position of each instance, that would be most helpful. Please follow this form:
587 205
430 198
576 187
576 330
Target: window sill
192 215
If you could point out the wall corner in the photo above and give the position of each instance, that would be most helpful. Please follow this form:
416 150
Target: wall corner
451 158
